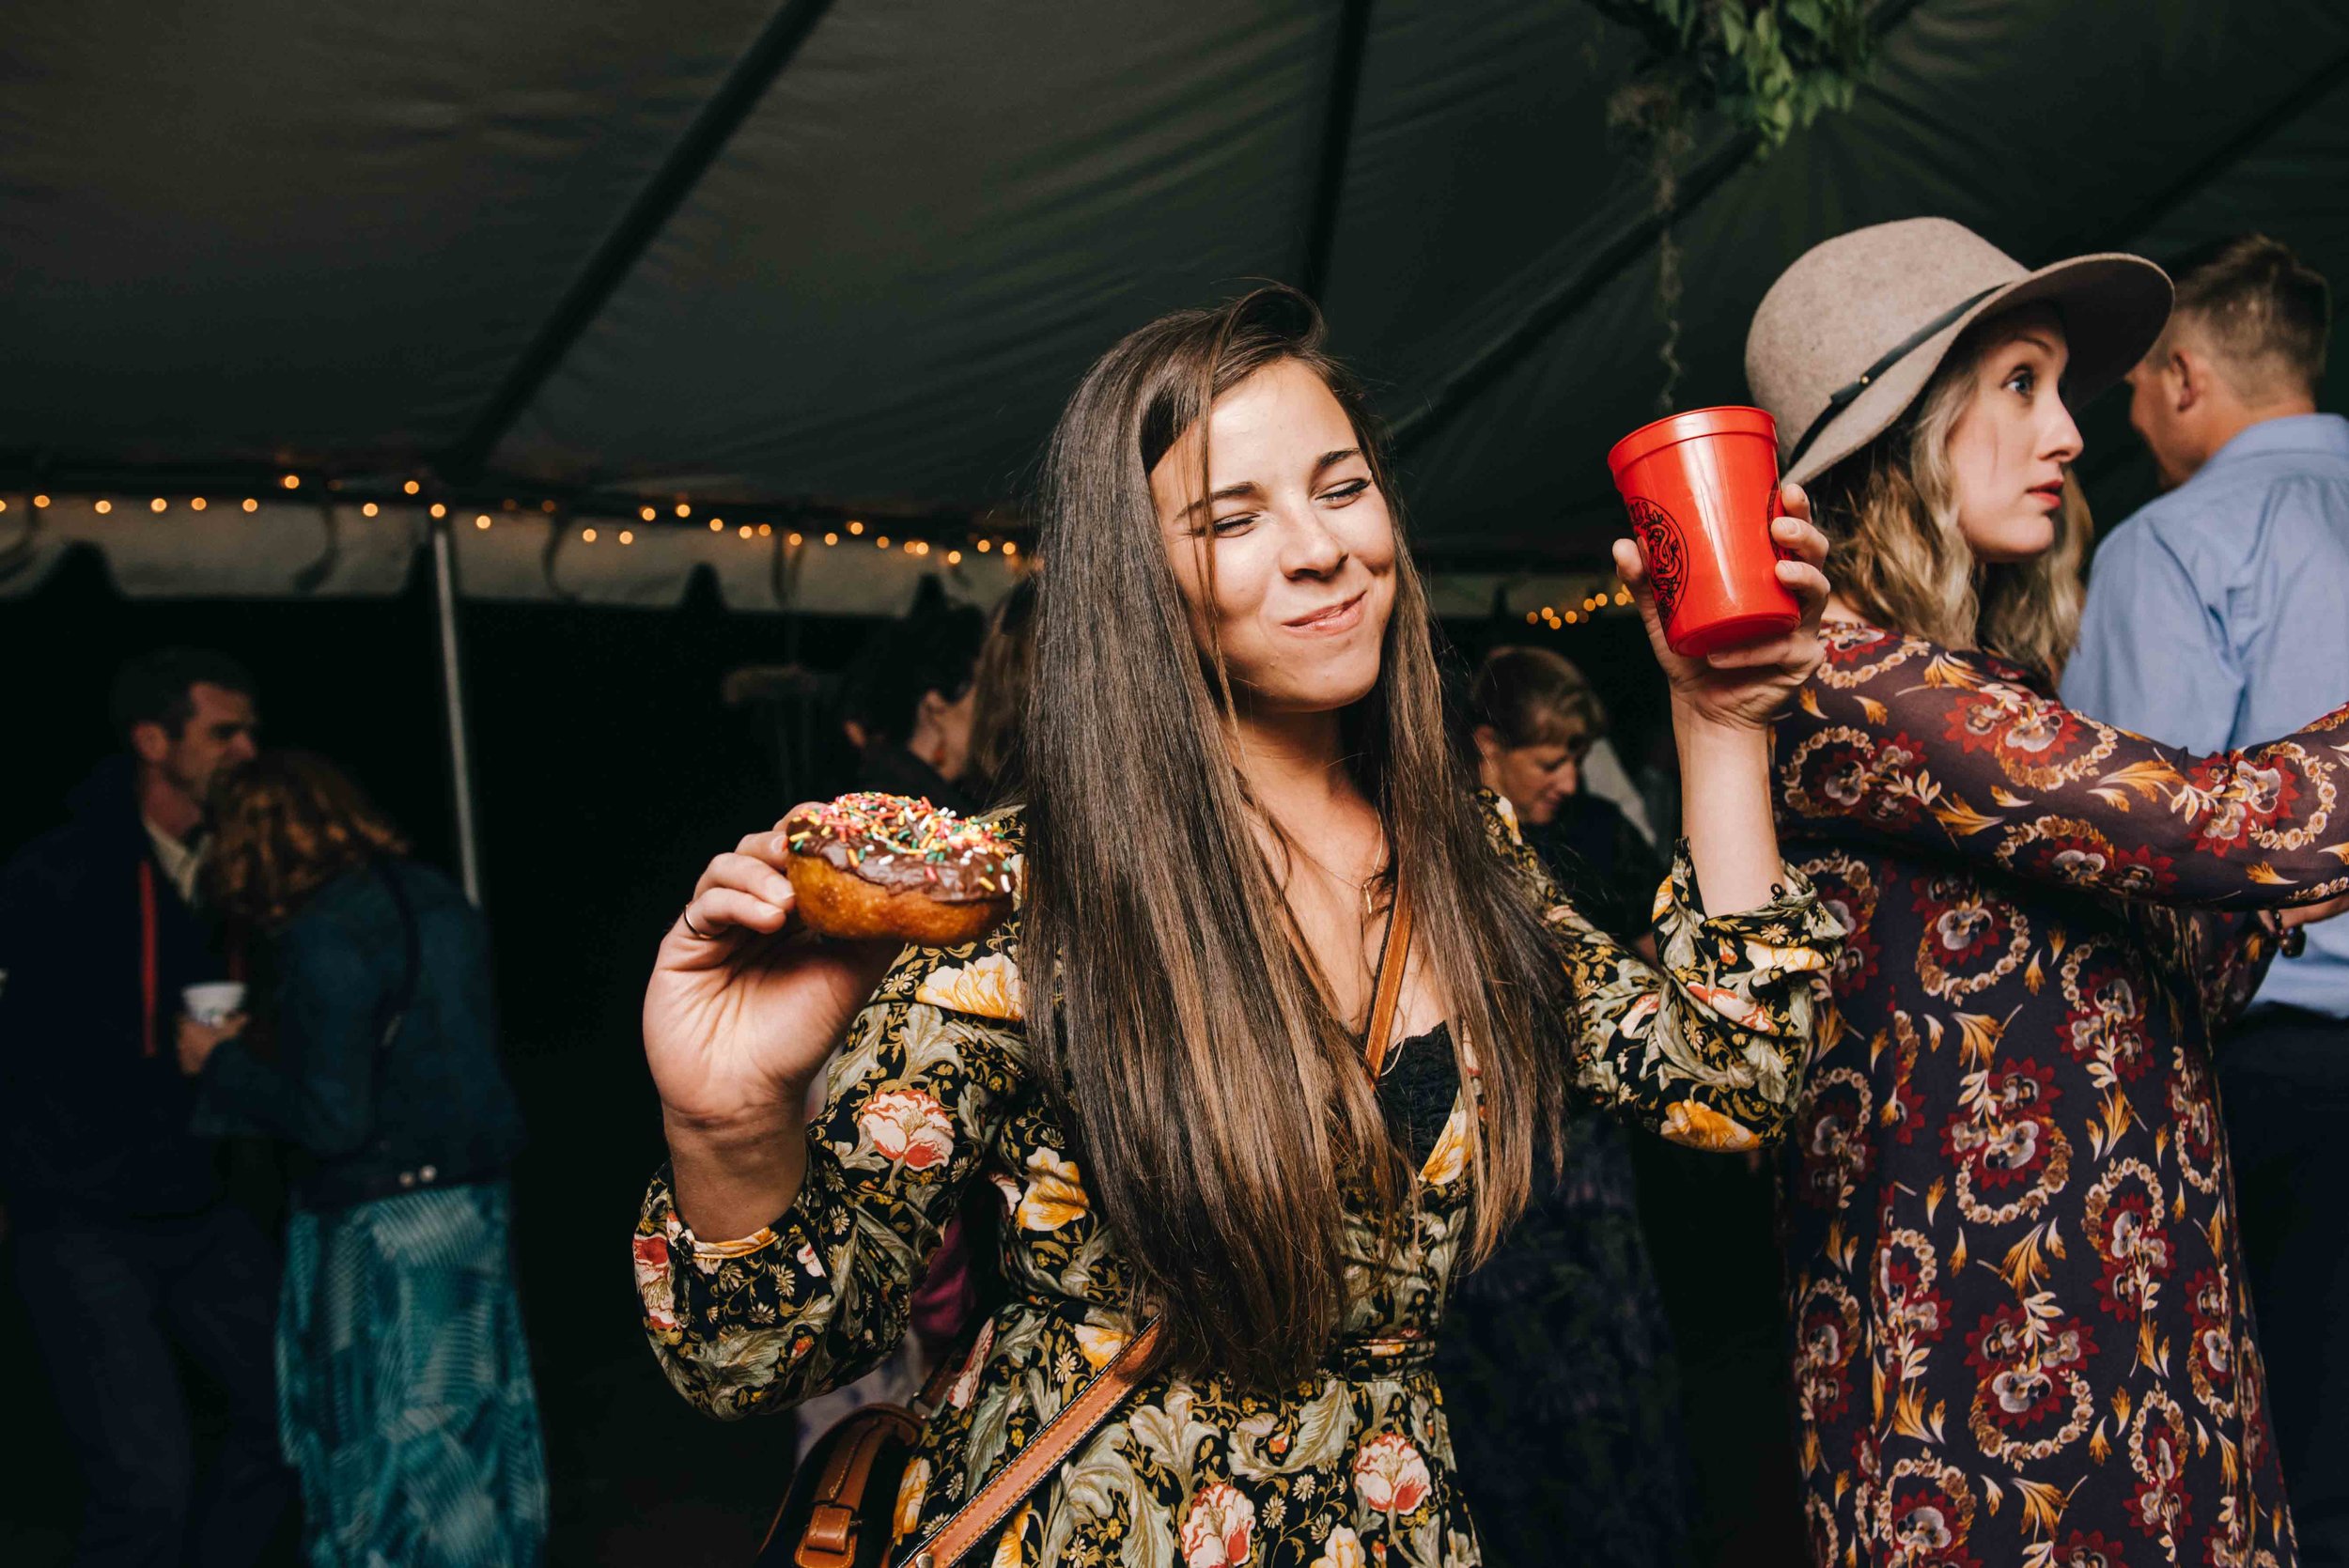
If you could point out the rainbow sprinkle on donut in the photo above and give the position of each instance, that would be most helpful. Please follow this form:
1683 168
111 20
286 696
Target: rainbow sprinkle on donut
906 845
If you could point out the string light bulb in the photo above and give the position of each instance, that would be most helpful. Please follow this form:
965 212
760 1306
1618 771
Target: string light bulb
1533 616
366 511
411 487
627 537
832 539
855 527
253 505
882 541
766 530
547 506
104 506
744 531
197 503
647 513
40 500
1571 617
438 510
159 506
717 525
954 557
684 510
481 522
291 481
986 545
796 541
719 522
588 535
1010 548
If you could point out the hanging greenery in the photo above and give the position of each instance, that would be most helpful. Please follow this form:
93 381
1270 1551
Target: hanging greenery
1774 66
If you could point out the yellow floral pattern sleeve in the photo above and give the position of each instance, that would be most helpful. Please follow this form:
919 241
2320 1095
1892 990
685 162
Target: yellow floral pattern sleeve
930 1069
1708 1049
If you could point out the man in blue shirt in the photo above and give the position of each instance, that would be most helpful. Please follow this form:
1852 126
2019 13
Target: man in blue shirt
2219 617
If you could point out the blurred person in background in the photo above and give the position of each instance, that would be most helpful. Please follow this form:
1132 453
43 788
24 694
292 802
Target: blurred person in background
1563 1330
128 1252
404 1393
1537 722
906 707
2216 617
1006 662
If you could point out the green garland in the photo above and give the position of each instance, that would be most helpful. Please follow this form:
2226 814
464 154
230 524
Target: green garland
1774 66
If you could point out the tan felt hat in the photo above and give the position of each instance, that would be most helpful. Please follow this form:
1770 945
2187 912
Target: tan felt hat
1850 334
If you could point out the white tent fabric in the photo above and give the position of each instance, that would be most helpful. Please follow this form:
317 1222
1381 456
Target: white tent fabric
334 550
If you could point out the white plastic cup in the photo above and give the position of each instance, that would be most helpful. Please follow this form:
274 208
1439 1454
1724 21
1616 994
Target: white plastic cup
213 1002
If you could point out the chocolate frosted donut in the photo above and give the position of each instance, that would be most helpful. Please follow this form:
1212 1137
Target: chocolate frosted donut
869 865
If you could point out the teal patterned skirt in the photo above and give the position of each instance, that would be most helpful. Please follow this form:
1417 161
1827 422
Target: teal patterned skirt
404 1398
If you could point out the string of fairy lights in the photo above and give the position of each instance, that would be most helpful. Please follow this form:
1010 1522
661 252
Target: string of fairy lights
623 523
620 525
1592 606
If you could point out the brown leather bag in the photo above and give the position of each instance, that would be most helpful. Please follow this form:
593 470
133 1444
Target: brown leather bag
841 1511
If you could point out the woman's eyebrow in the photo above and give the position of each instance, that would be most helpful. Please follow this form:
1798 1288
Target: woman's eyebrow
1246 490
1331 460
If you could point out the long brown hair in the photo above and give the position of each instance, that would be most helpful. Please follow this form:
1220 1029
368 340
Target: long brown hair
1889 510
284 826
1222 1104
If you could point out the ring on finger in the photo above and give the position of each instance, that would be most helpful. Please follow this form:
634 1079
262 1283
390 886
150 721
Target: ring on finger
687 916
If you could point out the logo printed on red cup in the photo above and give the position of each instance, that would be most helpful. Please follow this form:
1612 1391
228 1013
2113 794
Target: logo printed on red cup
1701 489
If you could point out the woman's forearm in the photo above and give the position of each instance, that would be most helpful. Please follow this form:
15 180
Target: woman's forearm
734 1180
1725 811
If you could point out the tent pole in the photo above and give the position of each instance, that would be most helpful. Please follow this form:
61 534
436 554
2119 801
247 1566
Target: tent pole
453 689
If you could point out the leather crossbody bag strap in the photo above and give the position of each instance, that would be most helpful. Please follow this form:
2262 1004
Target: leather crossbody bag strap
1392 963
1080 1419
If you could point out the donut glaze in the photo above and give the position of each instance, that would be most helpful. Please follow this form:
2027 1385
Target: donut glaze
869 866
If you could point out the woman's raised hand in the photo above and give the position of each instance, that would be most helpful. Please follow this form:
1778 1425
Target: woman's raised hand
1746 686
745 1004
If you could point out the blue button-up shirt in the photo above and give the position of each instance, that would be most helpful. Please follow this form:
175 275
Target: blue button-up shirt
2219 617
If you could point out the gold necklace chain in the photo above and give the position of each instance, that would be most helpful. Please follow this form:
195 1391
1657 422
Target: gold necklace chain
1363 886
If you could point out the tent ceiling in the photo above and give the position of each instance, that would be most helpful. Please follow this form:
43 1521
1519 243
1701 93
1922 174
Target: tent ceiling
855 253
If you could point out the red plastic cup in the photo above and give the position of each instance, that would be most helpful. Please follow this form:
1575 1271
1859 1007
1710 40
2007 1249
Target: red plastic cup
1701 487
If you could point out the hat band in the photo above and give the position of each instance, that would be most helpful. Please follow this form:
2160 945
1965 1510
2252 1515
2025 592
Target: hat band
1849 394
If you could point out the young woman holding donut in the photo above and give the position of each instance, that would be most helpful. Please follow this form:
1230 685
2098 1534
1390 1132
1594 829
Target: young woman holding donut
1235 758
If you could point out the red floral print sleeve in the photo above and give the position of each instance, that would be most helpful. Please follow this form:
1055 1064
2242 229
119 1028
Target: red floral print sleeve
1961 753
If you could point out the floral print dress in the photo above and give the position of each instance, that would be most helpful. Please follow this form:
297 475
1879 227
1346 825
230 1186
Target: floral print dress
934 1092
2019 1315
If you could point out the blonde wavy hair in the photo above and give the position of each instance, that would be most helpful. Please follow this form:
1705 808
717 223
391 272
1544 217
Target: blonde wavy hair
1890 511
284 826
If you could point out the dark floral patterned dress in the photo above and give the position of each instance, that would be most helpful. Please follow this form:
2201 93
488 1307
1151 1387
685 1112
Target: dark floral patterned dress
933 1093
2020 1332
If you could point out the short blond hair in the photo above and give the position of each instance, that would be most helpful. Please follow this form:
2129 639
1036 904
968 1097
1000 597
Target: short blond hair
2265 315
1532 698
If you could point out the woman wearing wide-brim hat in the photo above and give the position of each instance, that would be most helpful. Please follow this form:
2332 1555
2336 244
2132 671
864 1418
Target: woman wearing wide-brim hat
2020 1334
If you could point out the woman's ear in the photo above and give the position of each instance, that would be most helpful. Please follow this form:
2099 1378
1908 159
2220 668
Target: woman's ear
1488 746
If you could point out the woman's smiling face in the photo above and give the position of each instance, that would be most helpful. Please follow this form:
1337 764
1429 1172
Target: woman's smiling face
1288 557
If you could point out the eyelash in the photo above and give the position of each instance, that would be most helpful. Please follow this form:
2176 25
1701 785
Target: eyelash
1343 496
2029 381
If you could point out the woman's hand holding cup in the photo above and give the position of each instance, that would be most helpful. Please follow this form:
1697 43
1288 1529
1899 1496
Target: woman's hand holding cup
1745 687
